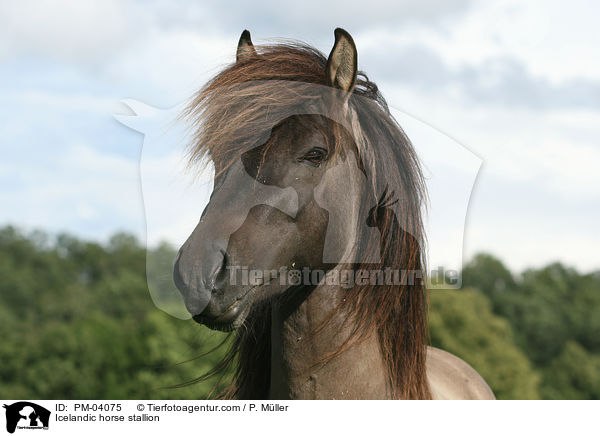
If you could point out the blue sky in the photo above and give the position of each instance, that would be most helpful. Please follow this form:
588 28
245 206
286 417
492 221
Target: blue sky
516 83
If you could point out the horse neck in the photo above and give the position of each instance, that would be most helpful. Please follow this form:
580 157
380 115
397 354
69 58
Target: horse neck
304 364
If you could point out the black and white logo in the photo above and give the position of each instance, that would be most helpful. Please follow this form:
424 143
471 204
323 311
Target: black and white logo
26 415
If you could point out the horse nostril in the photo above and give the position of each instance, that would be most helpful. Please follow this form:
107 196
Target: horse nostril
219 275
177 279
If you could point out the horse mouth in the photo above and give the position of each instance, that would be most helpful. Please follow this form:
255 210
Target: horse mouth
229 320
235 314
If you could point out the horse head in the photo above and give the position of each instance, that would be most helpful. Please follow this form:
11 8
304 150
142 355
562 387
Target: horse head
288 183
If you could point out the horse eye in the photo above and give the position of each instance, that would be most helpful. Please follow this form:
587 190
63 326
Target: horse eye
314 156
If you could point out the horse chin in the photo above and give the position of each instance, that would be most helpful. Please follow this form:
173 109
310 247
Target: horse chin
216 325
232 318
229 321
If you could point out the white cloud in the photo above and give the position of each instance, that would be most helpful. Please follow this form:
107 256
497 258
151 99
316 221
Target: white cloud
76 102
176 63
552 40
532 243
81 191
558 148
82 31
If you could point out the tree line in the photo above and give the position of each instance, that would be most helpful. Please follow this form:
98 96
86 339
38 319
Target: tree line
77 322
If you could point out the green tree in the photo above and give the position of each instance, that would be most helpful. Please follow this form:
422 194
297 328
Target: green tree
553 312
573 375
463 323
488 274
77 322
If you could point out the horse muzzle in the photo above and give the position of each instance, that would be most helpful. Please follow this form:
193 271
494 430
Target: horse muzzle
203 282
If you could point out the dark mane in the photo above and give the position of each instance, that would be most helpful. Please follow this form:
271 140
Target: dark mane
234 111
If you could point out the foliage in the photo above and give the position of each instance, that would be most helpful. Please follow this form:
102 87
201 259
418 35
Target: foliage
555 317
463 323
573 375
77 322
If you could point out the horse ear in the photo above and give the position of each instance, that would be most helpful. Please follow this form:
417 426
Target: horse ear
245 48
342 64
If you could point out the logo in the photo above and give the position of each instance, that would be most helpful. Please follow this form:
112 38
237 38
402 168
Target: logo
26 415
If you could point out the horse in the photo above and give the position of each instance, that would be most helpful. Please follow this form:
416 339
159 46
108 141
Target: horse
311 247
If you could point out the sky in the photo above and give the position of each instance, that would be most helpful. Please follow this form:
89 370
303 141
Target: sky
517 84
